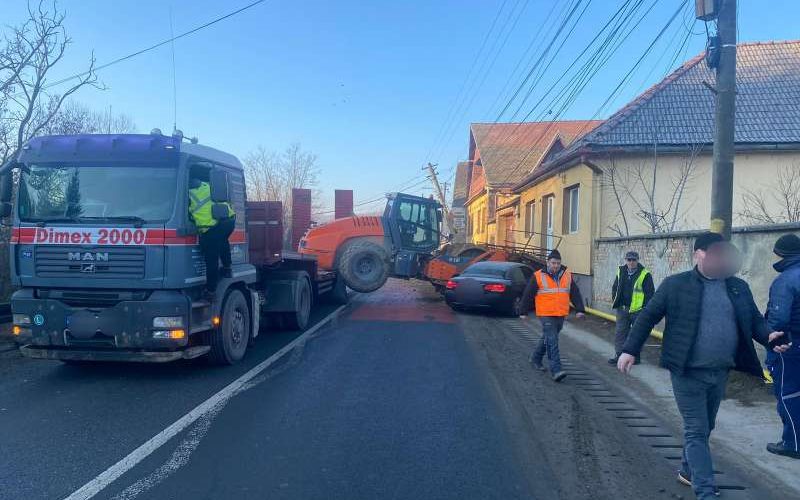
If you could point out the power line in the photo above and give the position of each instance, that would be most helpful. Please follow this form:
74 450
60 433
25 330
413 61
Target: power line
624 80
473 66
616 22
157 45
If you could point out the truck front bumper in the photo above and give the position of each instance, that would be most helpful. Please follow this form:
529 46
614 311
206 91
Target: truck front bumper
122 331
119 355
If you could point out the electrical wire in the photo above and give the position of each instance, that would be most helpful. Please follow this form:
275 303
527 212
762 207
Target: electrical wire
616 90
157 45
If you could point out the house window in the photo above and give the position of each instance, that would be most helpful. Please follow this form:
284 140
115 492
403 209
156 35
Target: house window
571 209
530 213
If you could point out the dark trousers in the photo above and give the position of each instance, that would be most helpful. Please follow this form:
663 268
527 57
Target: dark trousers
785 371
215 247
698 394
548 344
625 321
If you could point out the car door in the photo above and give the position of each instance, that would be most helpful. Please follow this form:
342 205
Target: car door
518 280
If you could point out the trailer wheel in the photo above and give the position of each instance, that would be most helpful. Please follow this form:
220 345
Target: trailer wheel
364 266
338 294
298 320
229 342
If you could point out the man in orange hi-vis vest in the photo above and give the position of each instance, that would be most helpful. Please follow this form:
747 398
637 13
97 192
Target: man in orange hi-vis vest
550 292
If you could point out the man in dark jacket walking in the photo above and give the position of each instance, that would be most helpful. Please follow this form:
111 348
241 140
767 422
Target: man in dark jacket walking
711 320
632 290
783 314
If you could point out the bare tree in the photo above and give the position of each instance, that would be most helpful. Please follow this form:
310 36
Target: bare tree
638 191
29 52
76 118
784 191
272 176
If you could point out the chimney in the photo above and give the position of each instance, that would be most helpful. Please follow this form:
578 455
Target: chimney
343 203
301 214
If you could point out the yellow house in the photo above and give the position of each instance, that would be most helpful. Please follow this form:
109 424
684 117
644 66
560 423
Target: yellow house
647 168
500 156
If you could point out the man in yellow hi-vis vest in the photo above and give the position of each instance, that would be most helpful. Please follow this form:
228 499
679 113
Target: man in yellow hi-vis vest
632 290
214 233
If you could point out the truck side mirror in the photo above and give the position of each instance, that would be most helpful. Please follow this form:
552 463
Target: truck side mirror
219 211
6 187
219 186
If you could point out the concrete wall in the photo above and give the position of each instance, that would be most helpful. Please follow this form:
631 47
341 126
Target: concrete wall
756 172
668 254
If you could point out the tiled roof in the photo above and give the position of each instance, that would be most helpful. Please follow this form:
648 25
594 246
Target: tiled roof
461 182
679 110
509 151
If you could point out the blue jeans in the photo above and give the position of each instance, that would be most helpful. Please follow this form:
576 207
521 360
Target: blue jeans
698 394
551 326
785 371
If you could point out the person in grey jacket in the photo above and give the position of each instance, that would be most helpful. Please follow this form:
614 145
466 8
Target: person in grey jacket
711 321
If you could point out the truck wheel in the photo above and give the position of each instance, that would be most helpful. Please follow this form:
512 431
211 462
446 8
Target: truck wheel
338 294
298 320
364 266
229 342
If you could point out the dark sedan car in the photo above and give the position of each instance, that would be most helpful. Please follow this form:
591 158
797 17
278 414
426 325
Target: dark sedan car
494 286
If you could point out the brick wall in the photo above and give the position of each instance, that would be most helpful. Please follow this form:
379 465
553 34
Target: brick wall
671 253
343 203
301 214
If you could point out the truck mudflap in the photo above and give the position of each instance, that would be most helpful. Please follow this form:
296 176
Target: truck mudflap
117 355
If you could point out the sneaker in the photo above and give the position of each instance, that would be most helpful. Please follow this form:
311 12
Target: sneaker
686 479
559 376
613 361
782 450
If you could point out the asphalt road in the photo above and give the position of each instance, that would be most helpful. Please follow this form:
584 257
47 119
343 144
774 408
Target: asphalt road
397 397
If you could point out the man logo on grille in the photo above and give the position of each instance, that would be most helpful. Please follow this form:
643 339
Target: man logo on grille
88 256
87 268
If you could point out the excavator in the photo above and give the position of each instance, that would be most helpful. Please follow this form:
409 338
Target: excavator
406 242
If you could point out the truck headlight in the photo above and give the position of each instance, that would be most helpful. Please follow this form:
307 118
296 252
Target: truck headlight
168 322
21 319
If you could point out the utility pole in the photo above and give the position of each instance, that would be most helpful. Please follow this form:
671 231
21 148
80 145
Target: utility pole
442 199
725 95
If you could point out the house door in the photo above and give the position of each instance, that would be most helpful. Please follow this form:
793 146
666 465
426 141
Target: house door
549 212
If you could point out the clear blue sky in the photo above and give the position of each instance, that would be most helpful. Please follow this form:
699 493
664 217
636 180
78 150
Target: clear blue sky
366 85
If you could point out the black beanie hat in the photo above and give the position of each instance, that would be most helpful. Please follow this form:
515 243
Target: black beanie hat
705 240
554 254
788 244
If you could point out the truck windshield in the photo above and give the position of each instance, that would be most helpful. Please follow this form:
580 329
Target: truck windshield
129 193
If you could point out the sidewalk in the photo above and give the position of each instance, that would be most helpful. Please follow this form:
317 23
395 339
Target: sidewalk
746 422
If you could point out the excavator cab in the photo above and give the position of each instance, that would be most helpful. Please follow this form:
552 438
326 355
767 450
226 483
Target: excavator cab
413 224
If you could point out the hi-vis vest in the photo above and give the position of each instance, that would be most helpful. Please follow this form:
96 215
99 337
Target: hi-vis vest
637 298
200 207
552 299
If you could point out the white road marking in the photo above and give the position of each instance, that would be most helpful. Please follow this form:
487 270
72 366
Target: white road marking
111 474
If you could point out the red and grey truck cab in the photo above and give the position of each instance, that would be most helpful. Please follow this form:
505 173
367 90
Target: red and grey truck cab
104 254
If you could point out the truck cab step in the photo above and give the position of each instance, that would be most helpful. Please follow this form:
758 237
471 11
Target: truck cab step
200 304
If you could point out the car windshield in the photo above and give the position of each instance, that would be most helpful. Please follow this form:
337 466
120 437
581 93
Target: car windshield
490 270
58 192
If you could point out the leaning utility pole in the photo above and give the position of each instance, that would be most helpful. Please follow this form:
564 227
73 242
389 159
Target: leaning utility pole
725 97
442 199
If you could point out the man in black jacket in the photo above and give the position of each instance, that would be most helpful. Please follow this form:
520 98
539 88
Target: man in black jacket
632 290
711 320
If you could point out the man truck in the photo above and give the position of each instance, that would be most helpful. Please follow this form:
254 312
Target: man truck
105 257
